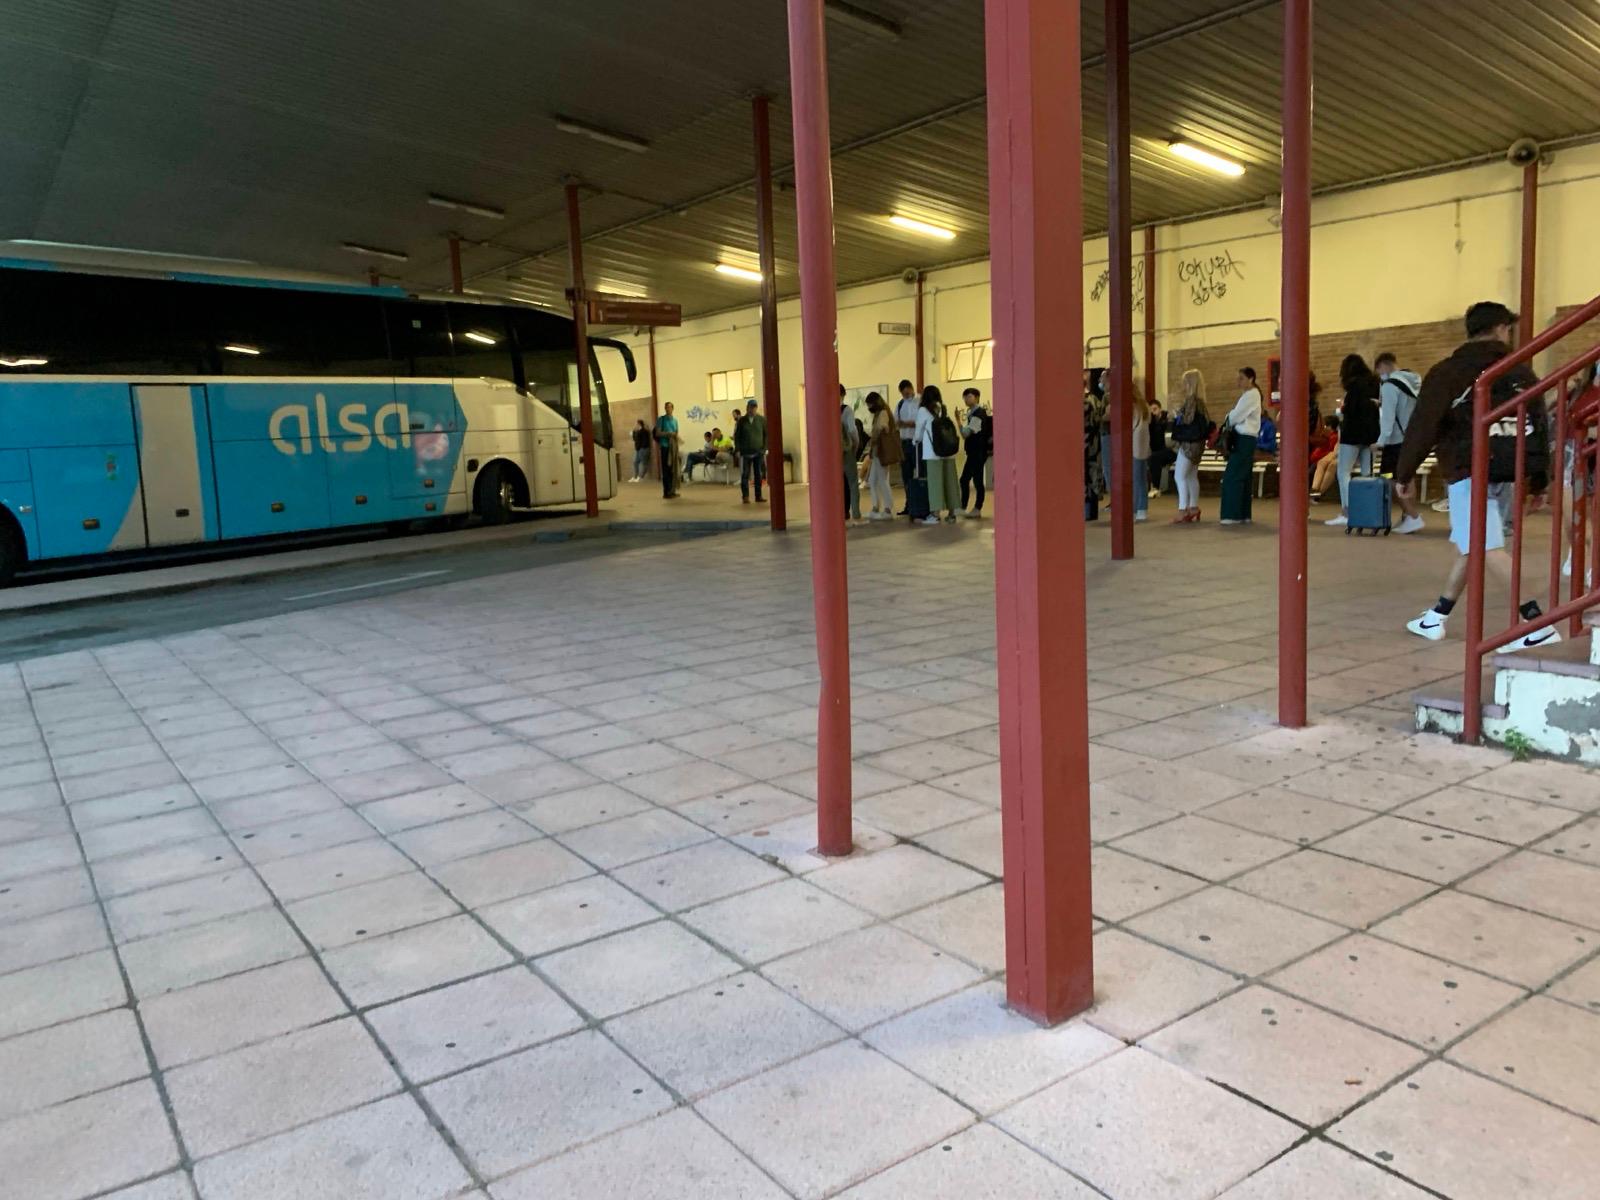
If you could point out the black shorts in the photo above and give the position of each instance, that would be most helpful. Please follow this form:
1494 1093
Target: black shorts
1388 459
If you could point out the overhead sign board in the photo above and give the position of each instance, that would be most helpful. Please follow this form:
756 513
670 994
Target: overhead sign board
898 328
620 310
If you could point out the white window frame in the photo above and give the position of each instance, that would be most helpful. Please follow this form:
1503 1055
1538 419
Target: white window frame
966 361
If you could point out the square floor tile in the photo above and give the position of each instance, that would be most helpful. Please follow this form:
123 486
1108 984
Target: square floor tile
971 1046
1544 1047
1470 1139
85 1146
168 1187
1568 891
566 915
1523 947
775 920
780 1118
977 843
399 813
895 880
587 803
1235 931
1285 1054
1097 1125
980 1162
510 872
1204 847
397 964
431 845
384 1151
665 1158
697 874
629 839
720 1033
40 895
1486 814
211 1018
326 870
685 782
861 978
1124 886
1566 784
55 935
1333 888
165 864
1281 813
193 955
58 991
917 809
69 1060
1364 787
792 844
746 808
190 902
266 1088
301 835
1582 987
1139 987
371 909
1318 1171
1580 843
464 1024
970 926
626 970
1412 996
516 1111
1192 788
1426 851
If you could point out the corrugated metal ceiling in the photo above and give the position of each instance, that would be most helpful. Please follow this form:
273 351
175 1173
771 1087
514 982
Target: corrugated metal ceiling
277 132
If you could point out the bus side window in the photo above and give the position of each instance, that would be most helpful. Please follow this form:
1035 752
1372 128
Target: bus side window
482 343
419 339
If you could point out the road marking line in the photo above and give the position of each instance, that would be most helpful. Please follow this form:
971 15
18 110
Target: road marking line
361 587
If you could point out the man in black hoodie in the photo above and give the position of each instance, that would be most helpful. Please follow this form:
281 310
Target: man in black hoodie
1442 423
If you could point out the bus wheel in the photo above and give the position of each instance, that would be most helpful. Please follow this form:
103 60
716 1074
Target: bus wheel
13 552
495 494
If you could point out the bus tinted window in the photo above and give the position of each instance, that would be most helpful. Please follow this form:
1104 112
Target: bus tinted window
419 338
277 331
482 343
61 323
547 354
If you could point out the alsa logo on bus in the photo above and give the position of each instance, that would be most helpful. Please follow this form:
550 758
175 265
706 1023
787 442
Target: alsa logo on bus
352 423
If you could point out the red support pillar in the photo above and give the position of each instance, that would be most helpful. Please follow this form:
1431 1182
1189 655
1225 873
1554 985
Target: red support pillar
456 284
580 330
655 395
1036 268
1119 237
1149 313
771 393
1295 323
1530 251
819 316
917 327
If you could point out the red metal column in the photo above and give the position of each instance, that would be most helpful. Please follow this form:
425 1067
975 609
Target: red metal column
655 395
1119 237
813 192
1530 250
580 329
372 277
772 396
1295 320
1036 265
456 284
1149 313
917 327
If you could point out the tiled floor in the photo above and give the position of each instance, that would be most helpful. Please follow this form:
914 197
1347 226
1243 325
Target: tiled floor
506 889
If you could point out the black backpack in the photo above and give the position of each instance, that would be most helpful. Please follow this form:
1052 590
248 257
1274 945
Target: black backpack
944 436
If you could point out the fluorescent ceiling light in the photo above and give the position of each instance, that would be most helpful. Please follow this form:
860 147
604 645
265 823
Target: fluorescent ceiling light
738 272
24 360
238 348
468 206
923 227
861 18
1189 152
483 339
610 137
377 252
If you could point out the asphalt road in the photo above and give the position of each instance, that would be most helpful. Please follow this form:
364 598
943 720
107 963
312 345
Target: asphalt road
121 619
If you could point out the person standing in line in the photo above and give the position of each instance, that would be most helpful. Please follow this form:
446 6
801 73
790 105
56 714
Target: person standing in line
905 420
641 452
883 445
1161 456
938 442
1141 458
1397 401
1243 422
1443 423
849 456
750 439
1191 426
1358 427
666 434
979 430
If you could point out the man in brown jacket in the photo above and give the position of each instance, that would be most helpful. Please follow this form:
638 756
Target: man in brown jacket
1443 423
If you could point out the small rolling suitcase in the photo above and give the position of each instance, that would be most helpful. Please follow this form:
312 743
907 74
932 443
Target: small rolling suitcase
1371 503
917 492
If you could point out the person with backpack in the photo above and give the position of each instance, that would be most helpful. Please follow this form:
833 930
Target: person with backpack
1191 427
938 443
883 447
1358 429
666 435
1397 401
1443 424
979 430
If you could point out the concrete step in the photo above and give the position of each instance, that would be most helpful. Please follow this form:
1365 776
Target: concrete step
1440 705
1571 657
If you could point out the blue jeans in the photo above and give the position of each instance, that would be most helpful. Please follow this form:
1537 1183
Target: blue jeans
1141 485
641 462
752 466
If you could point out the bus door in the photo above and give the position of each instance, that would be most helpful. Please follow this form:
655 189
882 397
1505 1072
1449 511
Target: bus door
175 466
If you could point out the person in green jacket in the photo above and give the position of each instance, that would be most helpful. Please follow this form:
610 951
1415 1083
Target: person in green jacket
750 440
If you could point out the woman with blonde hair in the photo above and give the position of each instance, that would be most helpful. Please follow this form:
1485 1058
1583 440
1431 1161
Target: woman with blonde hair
1191 426
884 443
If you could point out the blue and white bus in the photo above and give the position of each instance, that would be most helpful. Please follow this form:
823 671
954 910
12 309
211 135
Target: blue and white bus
140 412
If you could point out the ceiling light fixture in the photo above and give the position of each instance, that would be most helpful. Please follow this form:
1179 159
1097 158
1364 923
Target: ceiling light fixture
483 339
377 252
610 137
468 206
734 272
1189 152
863 19
25 360
923 227
240 348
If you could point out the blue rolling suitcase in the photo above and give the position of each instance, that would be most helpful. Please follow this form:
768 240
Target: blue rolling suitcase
1371 503
917 492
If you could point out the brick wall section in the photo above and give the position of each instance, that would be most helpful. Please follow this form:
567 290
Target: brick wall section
1418 347
623 414
1586 338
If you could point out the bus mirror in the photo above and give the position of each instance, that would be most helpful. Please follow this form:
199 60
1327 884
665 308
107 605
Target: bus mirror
623 349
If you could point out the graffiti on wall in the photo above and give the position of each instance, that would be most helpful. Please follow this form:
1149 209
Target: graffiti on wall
1207 276
1103 283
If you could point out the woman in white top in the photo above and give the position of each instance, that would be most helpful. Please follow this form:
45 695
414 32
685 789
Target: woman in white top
940 470
1243 424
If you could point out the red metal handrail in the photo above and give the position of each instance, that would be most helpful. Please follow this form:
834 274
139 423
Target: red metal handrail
1574 416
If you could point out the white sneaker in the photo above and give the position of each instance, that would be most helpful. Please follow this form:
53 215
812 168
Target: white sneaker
1429 625
1139 516
930 519
1410 525
1441 505
1539 637
1338 521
